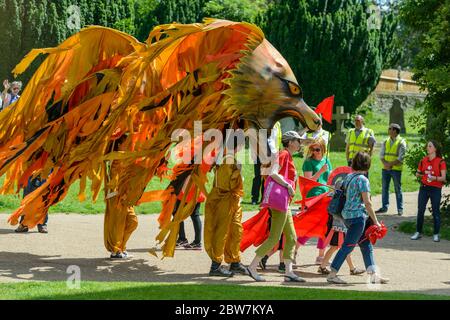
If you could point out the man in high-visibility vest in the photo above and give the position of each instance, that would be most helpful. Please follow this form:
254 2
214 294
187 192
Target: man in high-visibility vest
392 154
359 139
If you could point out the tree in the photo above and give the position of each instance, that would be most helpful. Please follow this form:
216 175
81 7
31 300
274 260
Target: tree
181 11
11 26
150 13
145 18
235 10
334 47
28 24
429 22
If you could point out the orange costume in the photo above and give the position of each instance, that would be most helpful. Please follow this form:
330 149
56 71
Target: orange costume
223 215
120 219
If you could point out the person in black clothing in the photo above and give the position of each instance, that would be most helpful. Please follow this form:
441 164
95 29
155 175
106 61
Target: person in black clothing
32 185
257 184
195 217
182 241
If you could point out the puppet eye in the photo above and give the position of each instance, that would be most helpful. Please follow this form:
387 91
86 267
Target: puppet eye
294 89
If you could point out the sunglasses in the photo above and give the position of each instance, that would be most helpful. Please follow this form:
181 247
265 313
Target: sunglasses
316 149
15 89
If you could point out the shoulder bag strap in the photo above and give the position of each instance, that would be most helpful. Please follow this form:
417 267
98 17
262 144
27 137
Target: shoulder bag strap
287 166
347 184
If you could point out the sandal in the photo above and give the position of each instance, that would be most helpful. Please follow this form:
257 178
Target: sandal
323 270
356 272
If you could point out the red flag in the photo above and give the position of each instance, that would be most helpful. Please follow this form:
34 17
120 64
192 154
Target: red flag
255 229
306 185
313 221
325 108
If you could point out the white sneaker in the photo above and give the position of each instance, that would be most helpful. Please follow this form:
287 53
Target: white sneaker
416 236
377 279
127 255
436 238
335 280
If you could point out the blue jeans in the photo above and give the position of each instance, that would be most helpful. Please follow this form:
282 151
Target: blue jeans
386 176
434 194
355 234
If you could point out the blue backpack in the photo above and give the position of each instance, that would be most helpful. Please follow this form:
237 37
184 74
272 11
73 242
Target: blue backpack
338 200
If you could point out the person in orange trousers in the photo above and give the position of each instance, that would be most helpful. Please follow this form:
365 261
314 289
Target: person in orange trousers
223 220
120 219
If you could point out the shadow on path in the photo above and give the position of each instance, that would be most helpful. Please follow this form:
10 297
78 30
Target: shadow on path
25 266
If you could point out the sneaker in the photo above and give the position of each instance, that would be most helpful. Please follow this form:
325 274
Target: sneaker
323 270
381 210
193 246
335 280
282 267
375 278
42 229
126 255
293 278
436 238
416 236
238 268
400 212
319 260
21 229
181 243
356 272
117 256
220 272
262 264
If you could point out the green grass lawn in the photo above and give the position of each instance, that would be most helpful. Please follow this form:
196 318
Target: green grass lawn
158 291
410 227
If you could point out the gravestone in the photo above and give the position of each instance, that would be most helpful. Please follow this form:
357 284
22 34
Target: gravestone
337 142
397 115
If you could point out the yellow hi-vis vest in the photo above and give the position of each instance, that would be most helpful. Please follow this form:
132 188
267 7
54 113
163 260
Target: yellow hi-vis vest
391 152
278 143
360 143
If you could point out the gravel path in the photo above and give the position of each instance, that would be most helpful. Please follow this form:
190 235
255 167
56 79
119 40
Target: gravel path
413 266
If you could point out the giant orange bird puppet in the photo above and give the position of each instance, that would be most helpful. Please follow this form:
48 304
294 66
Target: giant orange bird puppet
102 107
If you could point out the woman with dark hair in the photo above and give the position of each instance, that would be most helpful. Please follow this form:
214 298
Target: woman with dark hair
356 208
433 171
